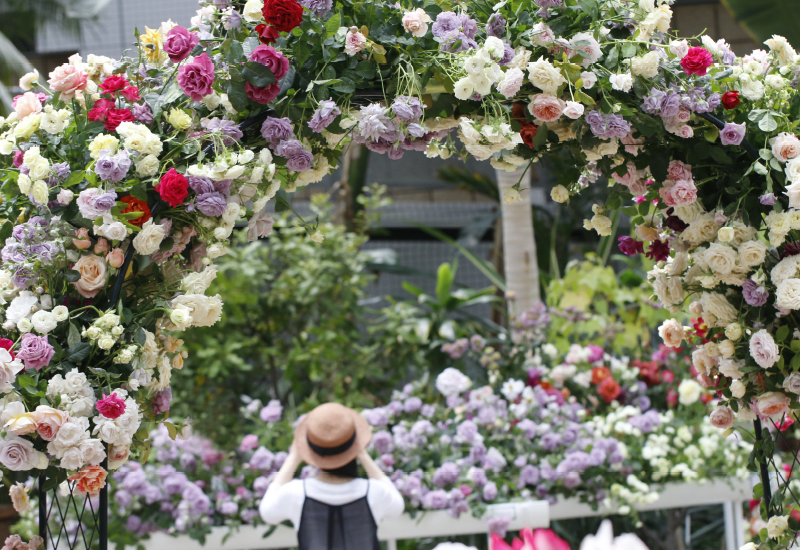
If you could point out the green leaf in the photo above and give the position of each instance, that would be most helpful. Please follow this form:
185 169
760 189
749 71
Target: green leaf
332 25
794 364
74 178
257 74
583 98
302 51
628 50
26 380
281 205
139 192
782 333
612 58
72 276
73 336
345 86
236 52
250 44
795 345
767 124
167 244
140 337
444 282
78 353
540 139
720 156
237 95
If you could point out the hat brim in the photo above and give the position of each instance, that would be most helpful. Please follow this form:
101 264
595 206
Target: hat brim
304 451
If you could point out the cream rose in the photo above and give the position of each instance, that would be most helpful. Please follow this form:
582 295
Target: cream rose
559 193
787 294
752 253
252 11
720 258
702 361
50 421
93 275
545 76
672 333
726 349
785 146
776 526
416 22
773 404
645 65
602 224
738 389
149 238
689 392
752 89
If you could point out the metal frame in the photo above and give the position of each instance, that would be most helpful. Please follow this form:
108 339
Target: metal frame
96 528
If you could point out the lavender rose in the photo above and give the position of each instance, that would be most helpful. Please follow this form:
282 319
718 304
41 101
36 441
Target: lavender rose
732 133
211 204
18 454
297 158
35 351
276 130
113 168
407 109
161 401
325 114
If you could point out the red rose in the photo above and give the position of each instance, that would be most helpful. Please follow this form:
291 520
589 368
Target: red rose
730 99
173 188
284 15
599 374
262 95
135 205
528 132
518 111
114 117
697 61
7 344
267 34
131 93
113 83
101 107
609 390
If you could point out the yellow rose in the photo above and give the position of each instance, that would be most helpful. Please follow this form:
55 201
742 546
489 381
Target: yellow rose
39 190
559 193
103 142
152 42
27 127
179 119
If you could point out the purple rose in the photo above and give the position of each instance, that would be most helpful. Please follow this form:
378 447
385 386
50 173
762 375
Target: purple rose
112 168
732 133
272 412
754 294
228 129
382 441
508 54
276 130
180 43
262 459
260 486
325 114
318 7
105 201
175 483
133 523
229 508
197 77
529 475
490 491
496 25
498 524
297 158
446 474
211 204
435 500
201 185
161 401
407 109
35 351
467 430
142 113
412 405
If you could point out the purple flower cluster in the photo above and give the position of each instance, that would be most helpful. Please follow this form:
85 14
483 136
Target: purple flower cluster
455 32
325 114
297 157
607 126
318 7
113 168
211 197
276 130
32 242
227 130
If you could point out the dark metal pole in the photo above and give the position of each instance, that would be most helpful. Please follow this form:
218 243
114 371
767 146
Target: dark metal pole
42 509
762 463
102 530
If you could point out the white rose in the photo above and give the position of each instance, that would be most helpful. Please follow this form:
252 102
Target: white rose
752 253
589 79
198 283
21 306
545 76
149 238
452 382
645 65
777 525
106 342
787 294
689 392
679 48
147 166
792 170
39 192
752 89
24 183
559 194
252 11
181 317
114 231
733 331
64 197
738 389
622 82
60 313
43 321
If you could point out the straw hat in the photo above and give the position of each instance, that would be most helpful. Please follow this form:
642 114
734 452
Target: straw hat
331 435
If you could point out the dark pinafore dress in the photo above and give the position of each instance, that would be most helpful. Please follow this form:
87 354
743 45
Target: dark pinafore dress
348 526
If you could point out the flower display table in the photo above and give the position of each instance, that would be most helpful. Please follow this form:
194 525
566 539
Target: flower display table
728 492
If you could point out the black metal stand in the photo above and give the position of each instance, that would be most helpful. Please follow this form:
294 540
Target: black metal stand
55 511
763 470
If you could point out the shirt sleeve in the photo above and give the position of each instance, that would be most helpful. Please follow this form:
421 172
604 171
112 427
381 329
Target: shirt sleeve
384 499
283 502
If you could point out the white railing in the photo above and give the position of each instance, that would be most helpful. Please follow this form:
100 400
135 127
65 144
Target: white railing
729 492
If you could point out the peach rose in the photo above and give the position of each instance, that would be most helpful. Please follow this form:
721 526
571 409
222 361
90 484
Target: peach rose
115 258
27 104
702 361
416 22
785 146
102 246
50 421
117 455
546 107
90 480
93 275
773 404
82 241
722 418
671 331
67 79
19 498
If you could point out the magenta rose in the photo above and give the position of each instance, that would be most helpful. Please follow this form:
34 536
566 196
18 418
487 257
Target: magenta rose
111 406
35 351
697 61
271 59
197 77
180 43
262 95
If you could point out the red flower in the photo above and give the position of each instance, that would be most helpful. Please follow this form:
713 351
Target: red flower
131 93
630 246
730 99
135 205
113 83
264 94
609 390
115 117
7 344
528 132
706 398
100 109
672 398
697 61
267 34
173 188
599 374
518 112
658 251
284 15
700 327
648 371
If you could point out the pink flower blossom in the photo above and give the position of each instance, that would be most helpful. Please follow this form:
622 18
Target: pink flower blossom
111 406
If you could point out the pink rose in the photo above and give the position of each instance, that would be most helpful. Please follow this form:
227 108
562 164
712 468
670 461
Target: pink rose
111 406
180 43
684 114
67 79
272 59
35 351
249 442
683 193
82 241
416 22
573 110
722 418
773 404
93 275
546 107
264 94
102 246
27 104
685 131
354 42
511 83
785 146
197 77
679 171
764 349
697 61
115 258
50 421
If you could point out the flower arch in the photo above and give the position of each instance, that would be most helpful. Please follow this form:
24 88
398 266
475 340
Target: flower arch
154 157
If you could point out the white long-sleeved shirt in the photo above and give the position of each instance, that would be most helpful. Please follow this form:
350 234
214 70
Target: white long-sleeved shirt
285 502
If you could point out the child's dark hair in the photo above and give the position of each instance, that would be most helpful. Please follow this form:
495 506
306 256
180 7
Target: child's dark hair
349 470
